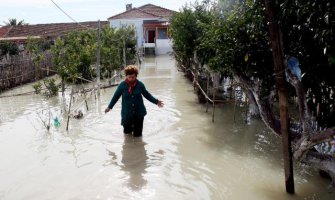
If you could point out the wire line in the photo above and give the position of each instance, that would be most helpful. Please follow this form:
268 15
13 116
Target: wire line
70 16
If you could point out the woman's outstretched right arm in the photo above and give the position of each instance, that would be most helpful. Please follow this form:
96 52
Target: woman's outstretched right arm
115 98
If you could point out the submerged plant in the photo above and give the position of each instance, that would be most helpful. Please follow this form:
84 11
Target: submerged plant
37 87
51 87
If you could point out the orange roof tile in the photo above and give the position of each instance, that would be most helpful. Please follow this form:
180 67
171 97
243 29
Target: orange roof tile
157 10
133 14
50 30
145 11
4 30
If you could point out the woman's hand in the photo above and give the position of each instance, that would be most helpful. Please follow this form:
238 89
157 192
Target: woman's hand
160 104
107 110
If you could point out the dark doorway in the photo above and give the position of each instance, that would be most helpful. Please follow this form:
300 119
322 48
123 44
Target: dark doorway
151 36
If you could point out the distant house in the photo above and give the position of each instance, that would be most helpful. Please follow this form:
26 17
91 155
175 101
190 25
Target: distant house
151 23
21 33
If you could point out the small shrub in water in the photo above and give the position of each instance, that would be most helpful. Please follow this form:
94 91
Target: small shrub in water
51 86
37 87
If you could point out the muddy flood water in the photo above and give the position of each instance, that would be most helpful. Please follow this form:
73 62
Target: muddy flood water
182 154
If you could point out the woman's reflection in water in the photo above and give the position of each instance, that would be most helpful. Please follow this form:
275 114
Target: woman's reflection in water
134 160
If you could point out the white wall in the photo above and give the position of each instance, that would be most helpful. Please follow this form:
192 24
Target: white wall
163 46
138 23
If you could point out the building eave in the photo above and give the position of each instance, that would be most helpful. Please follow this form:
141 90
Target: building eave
19 38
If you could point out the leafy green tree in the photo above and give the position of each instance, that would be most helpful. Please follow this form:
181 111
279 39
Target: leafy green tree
126 37
110 52
112 43
9 48
184 33
232 37
308 28
37 49
75 54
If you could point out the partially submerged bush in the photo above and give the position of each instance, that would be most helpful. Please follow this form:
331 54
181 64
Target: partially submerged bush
51 88
37 87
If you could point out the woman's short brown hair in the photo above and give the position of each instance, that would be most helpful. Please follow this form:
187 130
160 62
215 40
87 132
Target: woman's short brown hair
131 69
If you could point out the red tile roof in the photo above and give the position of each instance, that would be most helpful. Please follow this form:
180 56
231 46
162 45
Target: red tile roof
146 11
4 30
133 14
50 30
157 10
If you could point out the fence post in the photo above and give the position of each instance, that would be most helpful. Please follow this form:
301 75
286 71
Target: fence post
69 112
214 91
207 92
277 53
98 59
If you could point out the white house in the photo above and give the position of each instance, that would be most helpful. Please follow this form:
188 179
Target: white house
151 23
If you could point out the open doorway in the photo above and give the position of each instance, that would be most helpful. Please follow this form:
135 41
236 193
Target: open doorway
151 36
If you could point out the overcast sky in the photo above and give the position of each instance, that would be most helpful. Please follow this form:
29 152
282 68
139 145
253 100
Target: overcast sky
44 11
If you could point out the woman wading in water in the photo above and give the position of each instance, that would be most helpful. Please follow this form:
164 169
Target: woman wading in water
133 109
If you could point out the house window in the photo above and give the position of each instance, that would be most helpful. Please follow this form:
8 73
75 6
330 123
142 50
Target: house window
162 33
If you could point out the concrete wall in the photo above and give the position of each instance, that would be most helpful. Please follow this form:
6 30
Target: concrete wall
138 23
163 46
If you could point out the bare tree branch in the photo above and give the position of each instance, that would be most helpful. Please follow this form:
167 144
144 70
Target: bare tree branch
302 102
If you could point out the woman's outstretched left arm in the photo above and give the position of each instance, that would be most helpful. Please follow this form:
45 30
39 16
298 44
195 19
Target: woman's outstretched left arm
150 98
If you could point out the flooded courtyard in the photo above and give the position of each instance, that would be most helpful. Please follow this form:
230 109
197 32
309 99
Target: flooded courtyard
182 154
